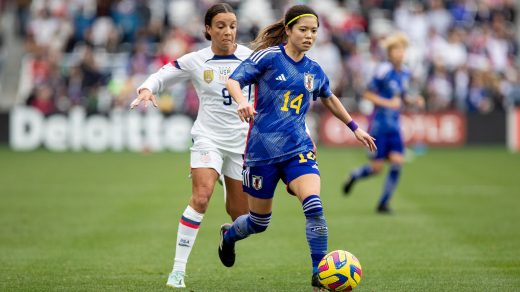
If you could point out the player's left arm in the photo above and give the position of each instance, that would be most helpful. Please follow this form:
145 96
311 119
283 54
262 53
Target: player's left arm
338 110
415 101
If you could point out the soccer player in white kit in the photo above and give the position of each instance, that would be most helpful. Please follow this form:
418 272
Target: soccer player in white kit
218 134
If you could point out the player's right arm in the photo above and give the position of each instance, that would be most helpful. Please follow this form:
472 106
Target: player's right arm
246 73
245 109
393 103
376 84
168 75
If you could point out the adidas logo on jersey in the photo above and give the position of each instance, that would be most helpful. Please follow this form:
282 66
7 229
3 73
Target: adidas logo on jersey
281 77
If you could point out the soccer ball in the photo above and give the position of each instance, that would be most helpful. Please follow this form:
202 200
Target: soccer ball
339 270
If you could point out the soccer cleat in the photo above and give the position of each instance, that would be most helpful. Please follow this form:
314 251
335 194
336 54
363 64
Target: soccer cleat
383 209
315 283
347 186
226 251
176 280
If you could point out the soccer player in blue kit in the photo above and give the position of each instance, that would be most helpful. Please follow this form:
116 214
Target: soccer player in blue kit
387 90
278 146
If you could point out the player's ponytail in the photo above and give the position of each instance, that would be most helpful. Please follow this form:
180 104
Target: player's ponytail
270 36
274 34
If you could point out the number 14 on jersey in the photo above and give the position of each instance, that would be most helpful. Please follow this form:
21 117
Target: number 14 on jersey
294 103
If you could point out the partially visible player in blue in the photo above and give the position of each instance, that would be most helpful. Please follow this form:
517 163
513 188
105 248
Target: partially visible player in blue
387 90
278 146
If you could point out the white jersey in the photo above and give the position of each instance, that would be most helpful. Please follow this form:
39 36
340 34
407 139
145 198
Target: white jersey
217 119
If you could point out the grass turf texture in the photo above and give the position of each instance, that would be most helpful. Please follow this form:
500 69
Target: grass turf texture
107 222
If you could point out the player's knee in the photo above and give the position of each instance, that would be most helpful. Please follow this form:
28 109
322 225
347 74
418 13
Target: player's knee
200 201
377 168
259 222
236 211
396 158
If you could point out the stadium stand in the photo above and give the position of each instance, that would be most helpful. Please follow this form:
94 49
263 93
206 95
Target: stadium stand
463 54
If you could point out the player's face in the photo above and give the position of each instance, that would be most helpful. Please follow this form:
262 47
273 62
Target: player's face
223 31
303 34
396 54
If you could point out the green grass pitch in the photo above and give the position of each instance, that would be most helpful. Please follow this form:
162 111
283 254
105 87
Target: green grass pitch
107 222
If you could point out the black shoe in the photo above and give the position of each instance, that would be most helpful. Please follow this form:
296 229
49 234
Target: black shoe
348 185
226 251
315 282
383 209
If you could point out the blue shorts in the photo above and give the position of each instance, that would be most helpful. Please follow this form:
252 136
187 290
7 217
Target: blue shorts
387 143
260 181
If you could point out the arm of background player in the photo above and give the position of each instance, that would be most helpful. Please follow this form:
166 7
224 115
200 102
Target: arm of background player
393 103
245 109
415 101
339 111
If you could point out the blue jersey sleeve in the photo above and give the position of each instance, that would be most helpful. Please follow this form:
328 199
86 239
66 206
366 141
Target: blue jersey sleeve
249 71
323 90
374 85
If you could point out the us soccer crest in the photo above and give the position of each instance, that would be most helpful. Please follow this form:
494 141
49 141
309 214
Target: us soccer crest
208 75
257 182
308 80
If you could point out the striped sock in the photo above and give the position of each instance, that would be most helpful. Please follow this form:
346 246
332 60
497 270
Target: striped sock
246 225
315 229
362 172
186 235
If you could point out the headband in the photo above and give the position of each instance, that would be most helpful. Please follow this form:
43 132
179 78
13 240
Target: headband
300 16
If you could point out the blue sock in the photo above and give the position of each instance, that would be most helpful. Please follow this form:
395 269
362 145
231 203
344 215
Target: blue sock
362 172
390 184
315 229
246 225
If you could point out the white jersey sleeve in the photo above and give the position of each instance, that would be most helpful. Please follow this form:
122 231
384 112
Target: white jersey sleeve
217 119
168 75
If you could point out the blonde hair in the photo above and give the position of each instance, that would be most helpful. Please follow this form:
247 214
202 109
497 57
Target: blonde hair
397 38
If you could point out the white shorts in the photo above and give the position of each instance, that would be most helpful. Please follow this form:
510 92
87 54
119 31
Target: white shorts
205 155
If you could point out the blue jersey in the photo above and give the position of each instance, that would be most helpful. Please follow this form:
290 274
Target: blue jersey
284 89
387 83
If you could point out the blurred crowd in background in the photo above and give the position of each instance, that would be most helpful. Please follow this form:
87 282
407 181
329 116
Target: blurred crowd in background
463 54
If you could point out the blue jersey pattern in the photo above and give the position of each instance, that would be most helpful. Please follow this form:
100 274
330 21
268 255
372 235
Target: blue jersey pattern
387 83
284 89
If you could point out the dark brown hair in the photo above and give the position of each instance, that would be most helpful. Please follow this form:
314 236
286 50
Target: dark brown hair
212 11
274 34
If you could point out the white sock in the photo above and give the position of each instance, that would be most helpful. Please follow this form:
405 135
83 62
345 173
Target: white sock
186 235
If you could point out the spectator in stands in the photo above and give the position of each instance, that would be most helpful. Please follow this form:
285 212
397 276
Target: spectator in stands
475 42
439 89
42 99
478 95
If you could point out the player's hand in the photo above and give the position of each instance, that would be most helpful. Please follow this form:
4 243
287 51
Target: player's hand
144 95
395 103
366 139
419 102
246 112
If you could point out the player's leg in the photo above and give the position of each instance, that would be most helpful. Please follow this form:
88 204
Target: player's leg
303 179
236 198
369 169
396 159
260 184
203 176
